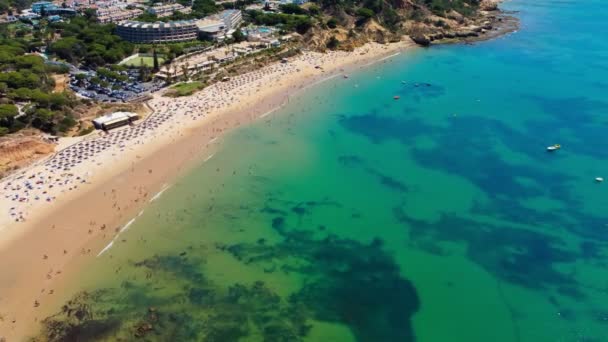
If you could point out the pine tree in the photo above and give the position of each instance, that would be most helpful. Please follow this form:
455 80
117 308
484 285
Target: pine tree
155 56
142 71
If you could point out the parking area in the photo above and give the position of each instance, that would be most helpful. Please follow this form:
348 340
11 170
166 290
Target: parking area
90 84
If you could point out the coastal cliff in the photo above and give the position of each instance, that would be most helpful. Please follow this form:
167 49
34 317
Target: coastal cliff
350 24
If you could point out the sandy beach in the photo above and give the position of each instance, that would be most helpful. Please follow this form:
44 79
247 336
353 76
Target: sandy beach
67 209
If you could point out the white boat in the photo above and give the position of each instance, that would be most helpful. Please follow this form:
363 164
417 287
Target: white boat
553 148
599 179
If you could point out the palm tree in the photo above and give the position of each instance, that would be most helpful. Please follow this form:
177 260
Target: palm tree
168 79
185 71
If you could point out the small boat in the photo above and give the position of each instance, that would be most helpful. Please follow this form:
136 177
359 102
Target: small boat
599 179
554 148
345 76
396 97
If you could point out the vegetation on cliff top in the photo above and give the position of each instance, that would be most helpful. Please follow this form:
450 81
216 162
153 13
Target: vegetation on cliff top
84 40
26 97
348 23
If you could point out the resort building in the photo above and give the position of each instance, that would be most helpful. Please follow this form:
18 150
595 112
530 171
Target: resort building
116 15
42 6
258 33
81 5
297 2
211 29
161 10
231 18
105 11
158 32
53 18
48 8
114 120
60 11
28 16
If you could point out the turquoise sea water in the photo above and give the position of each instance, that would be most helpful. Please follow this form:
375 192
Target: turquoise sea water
351 216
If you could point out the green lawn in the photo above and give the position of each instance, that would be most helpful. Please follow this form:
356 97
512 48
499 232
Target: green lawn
185 89
137 61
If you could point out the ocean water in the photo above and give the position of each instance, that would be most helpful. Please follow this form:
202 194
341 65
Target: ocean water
350 216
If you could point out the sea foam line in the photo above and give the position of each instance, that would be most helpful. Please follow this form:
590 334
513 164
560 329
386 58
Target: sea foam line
127 225
301 89
382 59
155 197
390 56
321 81
106 248
266 114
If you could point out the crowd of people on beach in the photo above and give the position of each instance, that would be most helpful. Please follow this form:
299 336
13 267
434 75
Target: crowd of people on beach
73 166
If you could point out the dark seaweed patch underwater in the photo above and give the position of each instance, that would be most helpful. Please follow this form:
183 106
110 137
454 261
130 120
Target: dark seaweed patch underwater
484 167
346 282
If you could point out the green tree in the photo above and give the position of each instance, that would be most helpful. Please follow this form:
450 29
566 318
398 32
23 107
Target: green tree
147 17
314 10
8 111
365 13
333 43
202 8
292 9
144 72
4 6
20 5
69 48
303 25
84 40
441 7
155 60
26 78
239 36
90 14
332 23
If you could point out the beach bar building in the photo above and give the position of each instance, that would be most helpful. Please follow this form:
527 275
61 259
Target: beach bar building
114 120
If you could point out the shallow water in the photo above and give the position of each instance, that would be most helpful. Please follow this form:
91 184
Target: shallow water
350 216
